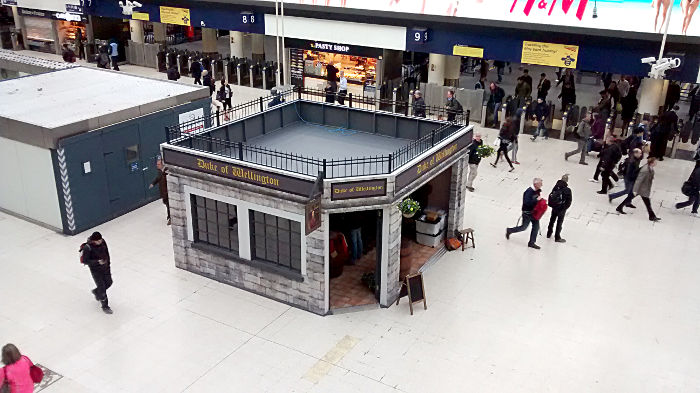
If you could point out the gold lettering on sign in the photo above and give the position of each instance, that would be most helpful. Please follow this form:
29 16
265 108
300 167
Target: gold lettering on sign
436 158
237 172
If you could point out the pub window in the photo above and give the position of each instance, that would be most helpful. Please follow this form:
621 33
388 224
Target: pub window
215 223
276 240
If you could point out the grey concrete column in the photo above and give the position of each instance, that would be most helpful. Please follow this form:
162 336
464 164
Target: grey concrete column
452 70
258 46
236 41
651 95
136 29
209 41
159 33
436 69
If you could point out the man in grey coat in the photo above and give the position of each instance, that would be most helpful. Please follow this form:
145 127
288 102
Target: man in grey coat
584 132
642 188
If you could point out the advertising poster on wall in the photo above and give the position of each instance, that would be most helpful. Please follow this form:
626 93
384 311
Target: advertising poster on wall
554 55
643 16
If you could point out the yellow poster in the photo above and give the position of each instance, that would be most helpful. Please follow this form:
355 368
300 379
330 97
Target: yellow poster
175 16
140 16
555 55
469 51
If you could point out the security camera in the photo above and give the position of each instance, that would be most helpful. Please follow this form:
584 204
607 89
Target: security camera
663 60
648 60
660 68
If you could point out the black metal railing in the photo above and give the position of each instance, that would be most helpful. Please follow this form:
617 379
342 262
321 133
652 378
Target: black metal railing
183 135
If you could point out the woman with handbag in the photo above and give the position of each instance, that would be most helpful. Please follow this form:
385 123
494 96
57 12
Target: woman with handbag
506 138
19 374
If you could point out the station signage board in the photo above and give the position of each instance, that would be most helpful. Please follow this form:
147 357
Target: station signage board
425 165
238 172
546 54
358 189
333 47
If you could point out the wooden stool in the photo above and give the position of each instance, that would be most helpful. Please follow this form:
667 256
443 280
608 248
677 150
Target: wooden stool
465 235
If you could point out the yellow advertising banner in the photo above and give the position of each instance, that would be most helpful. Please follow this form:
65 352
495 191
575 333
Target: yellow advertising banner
469 51
175 16
555 55
140 16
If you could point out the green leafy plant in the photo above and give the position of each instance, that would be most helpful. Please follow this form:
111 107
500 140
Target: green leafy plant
484 151
409 206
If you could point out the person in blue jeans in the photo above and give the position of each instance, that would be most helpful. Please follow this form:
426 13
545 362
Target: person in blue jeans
541 113
631 172
114 54
495 101
530 198
355 244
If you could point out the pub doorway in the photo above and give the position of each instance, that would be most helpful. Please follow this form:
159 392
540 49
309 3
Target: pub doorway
423 235
355 241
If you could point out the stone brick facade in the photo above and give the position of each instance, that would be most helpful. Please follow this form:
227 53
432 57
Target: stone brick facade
308 294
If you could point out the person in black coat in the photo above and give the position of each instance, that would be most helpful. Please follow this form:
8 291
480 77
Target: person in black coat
330 93
559 200
495 101
631 172
196 71
474 160
694 190
207 80
609 157
96 257
418 104
530 198
173 73
543 86
505 137
667 127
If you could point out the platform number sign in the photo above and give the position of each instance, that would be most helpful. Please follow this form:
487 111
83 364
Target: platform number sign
420 34
248 18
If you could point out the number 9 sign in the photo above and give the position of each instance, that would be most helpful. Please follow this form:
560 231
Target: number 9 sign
420 34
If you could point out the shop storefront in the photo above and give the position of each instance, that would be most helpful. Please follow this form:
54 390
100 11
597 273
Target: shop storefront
47 31
309 62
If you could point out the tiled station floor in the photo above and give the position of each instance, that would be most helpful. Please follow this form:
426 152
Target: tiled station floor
615 309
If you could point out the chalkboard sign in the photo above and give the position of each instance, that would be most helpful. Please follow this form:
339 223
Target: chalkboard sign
413 287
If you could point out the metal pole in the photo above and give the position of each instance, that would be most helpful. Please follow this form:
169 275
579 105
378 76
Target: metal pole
277 41
284 55
663 40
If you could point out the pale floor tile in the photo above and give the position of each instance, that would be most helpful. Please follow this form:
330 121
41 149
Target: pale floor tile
614 309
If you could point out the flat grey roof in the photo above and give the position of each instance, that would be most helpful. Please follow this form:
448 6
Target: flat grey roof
317 141
39 109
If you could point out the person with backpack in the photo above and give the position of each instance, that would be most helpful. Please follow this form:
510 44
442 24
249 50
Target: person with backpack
560 201
631 170
531 201
691 189
642 188
452 106
173 73
95 254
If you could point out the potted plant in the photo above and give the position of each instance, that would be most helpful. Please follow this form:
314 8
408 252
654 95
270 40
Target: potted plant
409 207
484 151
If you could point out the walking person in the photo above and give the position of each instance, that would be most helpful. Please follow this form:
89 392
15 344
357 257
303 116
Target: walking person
474 160
505 138
500 68
173 73
95 255
495 101
568 90
79 43
559 200
609 157
196 71
332 76
543 87
584 136
228 97
642 188
452 106
16 374
162 181
691 188
342 88
630 176
541 114
114 54
531 197
418 104
523 91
